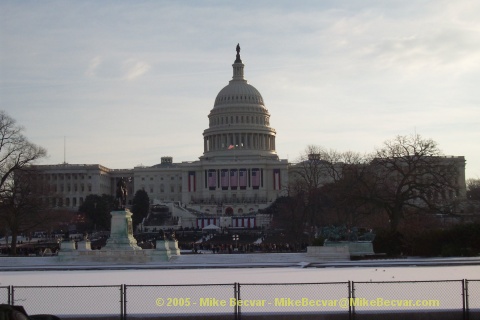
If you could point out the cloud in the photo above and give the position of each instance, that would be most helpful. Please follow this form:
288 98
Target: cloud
112 69
134 68
92 67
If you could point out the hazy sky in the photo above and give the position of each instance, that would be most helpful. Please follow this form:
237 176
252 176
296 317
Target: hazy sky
127 82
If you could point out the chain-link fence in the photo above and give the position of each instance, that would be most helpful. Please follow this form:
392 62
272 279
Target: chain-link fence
293 300
73 301
206 301
473 298
4 295
450 299
400 300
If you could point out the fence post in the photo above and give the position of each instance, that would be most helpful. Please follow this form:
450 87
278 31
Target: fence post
466 312
122 302
351 306
349 299
12 295
236 309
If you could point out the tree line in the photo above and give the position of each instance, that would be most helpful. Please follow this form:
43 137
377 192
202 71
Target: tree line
24 205
402 184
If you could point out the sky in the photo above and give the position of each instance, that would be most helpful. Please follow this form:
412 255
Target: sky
123 83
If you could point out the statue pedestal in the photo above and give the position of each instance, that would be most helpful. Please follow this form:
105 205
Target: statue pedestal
338 253
68 246
162 246
173 246
356 248
121 247
84 245
121 232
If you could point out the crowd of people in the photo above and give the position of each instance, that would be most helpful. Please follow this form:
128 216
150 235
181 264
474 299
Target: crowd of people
229 248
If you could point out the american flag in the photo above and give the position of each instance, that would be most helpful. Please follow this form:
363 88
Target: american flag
255 177
224 178
233 178
212 179
276 179
242 177
191 181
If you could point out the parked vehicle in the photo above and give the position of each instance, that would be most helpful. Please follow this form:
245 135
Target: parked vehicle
8 312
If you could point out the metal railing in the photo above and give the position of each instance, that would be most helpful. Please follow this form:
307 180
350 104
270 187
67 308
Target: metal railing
448 299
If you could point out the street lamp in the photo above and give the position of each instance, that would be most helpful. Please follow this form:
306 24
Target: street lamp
235 238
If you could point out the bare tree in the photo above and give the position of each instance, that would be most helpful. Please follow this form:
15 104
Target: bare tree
410 174
16 152
25 206
328 183
473 189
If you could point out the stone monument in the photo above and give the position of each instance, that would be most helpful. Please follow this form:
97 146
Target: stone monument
121 247
121 232
358 243
121 229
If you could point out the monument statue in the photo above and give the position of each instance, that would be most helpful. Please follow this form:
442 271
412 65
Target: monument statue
171 236
358 240
238 60
342 233
121 194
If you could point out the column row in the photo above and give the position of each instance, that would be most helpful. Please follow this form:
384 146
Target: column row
257 141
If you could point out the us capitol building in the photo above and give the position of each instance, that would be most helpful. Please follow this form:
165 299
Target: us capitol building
238 173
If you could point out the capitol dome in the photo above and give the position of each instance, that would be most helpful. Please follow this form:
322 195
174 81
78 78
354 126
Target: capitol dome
238 92
239 121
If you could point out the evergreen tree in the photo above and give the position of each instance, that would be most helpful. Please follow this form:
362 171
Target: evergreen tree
140 206
97 209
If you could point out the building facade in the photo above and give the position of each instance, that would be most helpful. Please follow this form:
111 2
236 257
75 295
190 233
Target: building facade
238 173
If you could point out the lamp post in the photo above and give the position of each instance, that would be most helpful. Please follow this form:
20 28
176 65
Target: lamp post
235 238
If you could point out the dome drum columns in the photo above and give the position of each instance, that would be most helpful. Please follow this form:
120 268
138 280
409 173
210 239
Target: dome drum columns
252 141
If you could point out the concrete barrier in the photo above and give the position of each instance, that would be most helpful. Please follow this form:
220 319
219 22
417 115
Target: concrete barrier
337 253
